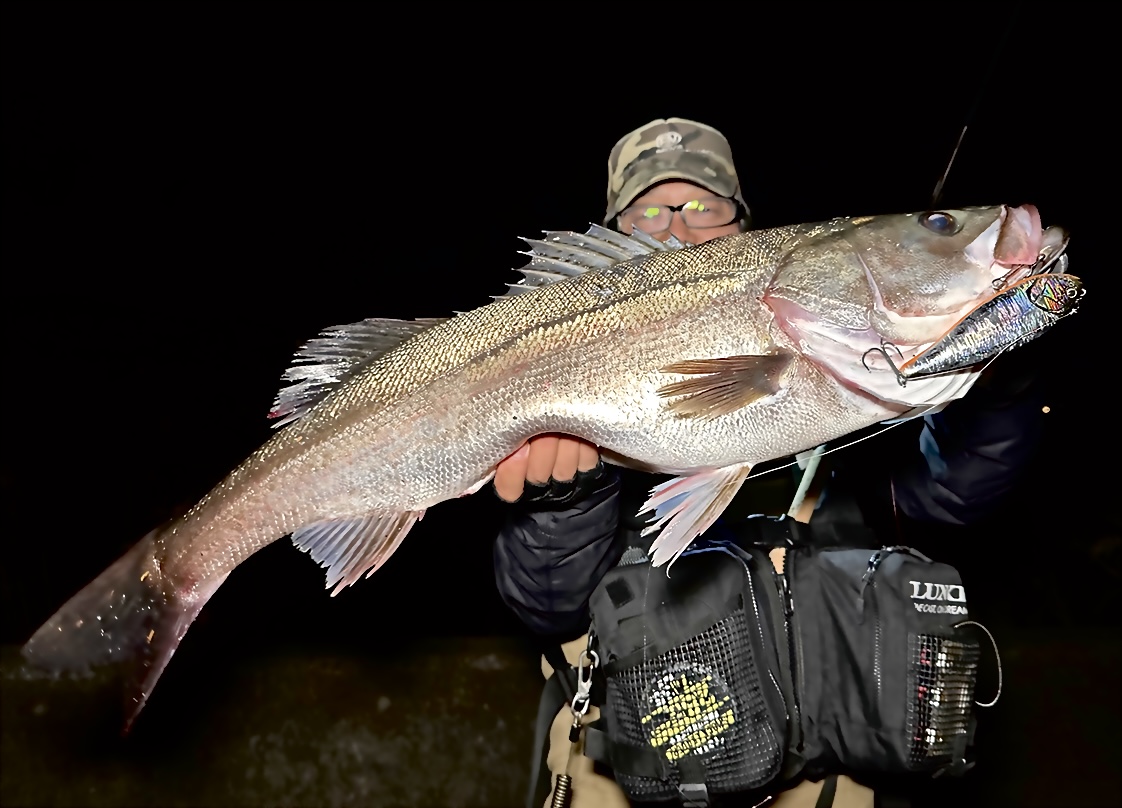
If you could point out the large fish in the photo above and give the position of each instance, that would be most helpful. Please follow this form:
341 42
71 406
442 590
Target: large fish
700 362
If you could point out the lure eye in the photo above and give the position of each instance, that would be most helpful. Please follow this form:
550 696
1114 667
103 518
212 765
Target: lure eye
939 222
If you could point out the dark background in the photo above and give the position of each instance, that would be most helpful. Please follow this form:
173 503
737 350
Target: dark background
191 191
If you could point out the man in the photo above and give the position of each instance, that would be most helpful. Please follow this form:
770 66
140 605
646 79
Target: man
669 178
573 515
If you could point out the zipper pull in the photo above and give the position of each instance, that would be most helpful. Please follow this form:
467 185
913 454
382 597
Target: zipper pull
788 601
901 548
866 579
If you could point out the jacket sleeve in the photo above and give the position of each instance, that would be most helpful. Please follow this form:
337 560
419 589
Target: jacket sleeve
550 555
970 456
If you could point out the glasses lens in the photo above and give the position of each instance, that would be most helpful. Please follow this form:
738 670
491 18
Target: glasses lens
715 211
648 218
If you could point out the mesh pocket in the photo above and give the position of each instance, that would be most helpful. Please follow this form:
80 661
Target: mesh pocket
703 700
941 676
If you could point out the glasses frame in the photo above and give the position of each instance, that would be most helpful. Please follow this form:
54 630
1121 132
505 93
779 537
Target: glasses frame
738 213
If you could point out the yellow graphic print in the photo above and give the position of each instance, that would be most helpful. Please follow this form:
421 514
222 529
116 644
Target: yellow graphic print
689 715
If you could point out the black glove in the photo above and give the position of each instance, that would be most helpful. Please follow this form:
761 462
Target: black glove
561 493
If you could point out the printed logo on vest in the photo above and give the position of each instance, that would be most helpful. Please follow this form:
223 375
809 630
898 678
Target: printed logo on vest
931 598
690 711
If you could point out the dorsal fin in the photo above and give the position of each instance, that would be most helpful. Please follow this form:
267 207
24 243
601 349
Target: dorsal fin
564 254
325 362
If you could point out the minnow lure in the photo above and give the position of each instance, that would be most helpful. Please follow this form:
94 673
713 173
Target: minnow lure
1017 315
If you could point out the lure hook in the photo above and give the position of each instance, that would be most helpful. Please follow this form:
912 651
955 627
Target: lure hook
883 351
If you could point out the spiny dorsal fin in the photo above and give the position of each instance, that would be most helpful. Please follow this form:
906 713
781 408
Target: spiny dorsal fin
724 385
563 254
325 362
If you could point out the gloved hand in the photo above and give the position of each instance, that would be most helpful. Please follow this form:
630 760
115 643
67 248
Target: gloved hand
548 468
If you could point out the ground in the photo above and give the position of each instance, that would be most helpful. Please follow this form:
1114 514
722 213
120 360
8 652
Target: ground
449 722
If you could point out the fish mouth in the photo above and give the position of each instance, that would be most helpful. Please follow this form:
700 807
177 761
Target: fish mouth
1015 246
1052 258
1024 248
1026 251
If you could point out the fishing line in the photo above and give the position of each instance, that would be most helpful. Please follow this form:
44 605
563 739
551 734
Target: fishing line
973 110
988 362
838 448
939 185
875 434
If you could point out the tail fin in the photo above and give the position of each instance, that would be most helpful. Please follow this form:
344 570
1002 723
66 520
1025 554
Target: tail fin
129 614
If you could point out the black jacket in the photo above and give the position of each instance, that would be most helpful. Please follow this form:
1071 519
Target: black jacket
954 467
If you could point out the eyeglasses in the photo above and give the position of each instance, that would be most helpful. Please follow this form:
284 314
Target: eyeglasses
697 214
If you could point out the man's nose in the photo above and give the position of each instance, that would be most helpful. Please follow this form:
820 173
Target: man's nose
678 228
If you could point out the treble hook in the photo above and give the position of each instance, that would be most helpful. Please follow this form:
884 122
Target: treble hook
883 352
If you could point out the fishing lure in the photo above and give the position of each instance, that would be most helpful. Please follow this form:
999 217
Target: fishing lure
1009 319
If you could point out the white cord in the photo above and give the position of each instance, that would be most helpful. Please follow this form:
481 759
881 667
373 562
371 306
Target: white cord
996 654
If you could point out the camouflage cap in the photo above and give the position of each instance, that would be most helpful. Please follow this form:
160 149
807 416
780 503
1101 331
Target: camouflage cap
670 149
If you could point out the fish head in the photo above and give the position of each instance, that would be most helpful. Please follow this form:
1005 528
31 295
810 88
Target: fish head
854 284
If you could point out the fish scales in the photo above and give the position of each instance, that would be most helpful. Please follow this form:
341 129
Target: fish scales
700 362
403 468
474 333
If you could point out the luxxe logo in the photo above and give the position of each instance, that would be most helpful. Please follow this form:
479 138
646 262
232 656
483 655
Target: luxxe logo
938 598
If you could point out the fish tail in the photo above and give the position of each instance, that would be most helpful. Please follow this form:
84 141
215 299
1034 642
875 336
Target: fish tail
129 615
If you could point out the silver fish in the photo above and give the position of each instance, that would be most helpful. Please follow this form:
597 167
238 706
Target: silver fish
700 362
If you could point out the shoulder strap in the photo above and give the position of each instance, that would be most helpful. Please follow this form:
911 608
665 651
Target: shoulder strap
826 795
559 690
555 656
630 759
692 790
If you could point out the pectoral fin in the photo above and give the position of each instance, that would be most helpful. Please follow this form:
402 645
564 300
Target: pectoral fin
688 506
724 385
351 545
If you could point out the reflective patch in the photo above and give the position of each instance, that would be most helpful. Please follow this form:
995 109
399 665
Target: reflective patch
691 709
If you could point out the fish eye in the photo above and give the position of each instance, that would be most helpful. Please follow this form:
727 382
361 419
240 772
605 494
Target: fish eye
939 222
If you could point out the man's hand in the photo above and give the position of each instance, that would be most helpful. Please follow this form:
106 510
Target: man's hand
539 459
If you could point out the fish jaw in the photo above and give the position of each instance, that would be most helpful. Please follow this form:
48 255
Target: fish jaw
906 280
1020 237
838 352
942 264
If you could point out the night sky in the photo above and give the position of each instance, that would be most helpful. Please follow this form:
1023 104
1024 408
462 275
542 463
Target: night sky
190 192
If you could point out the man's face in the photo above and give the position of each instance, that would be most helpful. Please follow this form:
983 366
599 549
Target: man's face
676 193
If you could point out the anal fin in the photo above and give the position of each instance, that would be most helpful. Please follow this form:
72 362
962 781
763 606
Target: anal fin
724 385
352 545
686 507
